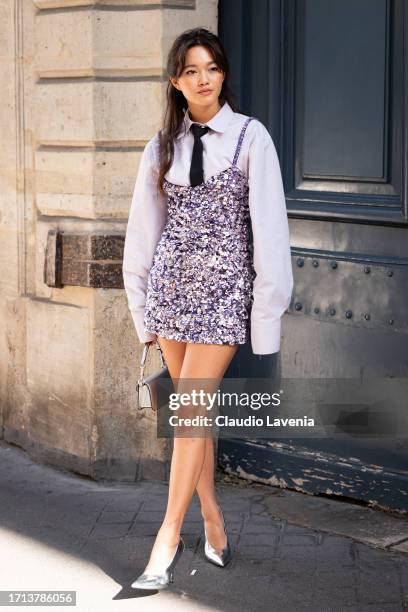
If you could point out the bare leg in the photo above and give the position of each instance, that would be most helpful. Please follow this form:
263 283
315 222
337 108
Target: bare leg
174 355
208 500
201 361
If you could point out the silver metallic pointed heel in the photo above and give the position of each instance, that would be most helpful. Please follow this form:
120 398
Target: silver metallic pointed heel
160 581
211 553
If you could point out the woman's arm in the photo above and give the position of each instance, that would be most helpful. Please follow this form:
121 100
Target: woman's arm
273 284
147 217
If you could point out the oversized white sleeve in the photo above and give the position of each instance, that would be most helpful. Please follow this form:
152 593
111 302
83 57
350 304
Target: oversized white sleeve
147 217
273 283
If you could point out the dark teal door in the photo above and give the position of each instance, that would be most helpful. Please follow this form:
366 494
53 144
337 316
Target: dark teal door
329 80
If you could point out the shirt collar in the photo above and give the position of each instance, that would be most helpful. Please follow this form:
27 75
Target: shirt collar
218 123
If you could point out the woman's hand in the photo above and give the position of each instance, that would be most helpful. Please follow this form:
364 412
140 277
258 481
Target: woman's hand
149 342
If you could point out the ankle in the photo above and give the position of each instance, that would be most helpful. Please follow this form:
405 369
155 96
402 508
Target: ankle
170 531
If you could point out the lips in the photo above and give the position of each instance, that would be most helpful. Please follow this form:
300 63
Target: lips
205 91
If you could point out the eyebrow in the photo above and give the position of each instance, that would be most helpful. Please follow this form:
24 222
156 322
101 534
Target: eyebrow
195 65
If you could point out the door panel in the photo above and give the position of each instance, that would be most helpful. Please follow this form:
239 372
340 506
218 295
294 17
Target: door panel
329 81
343 97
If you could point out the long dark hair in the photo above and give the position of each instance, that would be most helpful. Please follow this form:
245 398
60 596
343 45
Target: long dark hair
176 102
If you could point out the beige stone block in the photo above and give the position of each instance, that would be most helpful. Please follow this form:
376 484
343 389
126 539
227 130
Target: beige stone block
64 182
82 297
15 400
123 430
64 170
46 4
62 204
8 117
9 277
64 113
102 43
86 113
114 180
63 43
128 43
5 352
59 375
127 112
41 289
85 183
7 42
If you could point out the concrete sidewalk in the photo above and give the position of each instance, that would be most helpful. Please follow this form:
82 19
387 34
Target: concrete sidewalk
60 531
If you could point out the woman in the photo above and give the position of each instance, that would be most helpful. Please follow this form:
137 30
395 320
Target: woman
208 178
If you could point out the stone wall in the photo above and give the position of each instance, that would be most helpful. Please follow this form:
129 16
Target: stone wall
83 90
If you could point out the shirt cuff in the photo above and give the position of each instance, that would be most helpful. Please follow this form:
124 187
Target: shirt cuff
265 337
138 320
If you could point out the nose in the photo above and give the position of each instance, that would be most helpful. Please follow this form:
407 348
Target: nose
203 78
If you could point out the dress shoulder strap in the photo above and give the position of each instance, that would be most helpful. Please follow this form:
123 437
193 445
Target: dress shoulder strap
240 139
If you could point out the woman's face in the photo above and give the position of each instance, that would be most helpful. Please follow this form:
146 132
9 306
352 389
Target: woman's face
200 73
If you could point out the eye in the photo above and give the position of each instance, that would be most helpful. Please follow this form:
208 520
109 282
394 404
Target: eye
191 71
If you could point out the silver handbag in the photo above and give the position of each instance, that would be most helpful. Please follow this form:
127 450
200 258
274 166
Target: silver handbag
147 389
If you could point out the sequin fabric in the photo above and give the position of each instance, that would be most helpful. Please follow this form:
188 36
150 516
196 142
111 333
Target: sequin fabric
200 283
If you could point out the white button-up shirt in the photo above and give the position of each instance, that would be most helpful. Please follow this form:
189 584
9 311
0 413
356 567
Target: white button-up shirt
258 159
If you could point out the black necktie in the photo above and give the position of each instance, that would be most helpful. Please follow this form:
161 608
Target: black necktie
196 169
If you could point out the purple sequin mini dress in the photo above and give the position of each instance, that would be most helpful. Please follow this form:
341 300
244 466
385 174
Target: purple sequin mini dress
200 283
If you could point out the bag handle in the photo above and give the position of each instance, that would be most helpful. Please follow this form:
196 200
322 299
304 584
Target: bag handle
144 356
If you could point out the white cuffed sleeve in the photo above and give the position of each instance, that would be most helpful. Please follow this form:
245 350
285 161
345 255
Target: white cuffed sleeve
147 218
273 284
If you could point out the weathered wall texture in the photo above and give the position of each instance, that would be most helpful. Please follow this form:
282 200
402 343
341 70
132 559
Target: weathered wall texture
83 90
